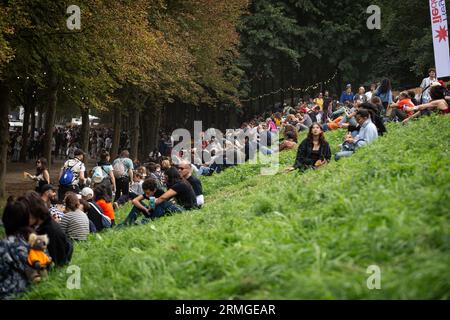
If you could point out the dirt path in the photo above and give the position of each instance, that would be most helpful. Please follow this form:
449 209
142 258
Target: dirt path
16 185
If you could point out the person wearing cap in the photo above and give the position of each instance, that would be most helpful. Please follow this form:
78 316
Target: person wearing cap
49 196
360 97
347 95
95 213
78 169
306 119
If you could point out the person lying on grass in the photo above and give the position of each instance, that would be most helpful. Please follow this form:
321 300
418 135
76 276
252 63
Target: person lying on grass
438 102
314 152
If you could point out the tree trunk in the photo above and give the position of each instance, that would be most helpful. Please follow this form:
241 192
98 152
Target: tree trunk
134 133
151 123
40 117
4 135
33 119
282 83
154 127
25 131
85 129
117 122
291 74
50 116
273 94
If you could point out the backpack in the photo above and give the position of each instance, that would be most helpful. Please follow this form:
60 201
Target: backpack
119 168
106 221
67 176
98 174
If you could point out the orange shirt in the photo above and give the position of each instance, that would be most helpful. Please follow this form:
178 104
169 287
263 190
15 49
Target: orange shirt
38 256
107 208
406 103
333 125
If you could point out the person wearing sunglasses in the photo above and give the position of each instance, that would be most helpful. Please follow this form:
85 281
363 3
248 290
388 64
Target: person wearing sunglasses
42 176
185 170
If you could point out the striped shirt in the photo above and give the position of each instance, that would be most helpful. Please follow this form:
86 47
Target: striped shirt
75 225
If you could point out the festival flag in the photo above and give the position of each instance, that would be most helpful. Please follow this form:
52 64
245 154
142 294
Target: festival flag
439 28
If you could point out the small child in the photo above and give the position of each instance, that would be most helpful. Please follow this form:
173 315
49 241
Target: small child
347 145
143 172
136 186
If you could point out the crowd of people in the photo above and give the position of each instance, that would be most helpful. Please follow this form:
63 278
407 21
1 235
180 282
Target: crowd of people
86 201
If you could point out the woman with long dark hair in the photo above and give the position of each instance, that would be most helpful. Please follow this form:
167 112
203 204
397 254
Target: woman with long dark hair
314 152
384 92
14 250
42 176
59 247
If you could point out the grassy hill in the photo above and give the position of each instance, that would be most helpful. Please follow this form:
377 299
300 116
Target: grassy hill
291 236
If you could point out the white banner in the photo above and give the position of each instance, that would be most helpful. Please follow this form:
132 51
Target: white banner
439 28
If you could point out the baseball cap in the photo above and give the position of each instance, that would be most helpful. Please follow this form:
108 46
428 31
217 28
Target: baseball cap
87 192
47 187
349 85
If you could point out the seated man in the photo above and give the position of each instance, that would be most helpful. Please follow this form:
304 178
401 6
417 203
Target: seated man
151 191
49 196
367 133
185 170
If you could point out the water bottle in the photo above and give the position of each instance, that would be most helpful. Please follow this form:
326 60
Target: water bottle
152 202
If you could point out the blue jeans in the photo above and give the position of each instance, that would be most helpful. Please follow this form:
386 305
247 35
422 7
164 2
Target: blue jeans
203 171
342 154
133 215
162 209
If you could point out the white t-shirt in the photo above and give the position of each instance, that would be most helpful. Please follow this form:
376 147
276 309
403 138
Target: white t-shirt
108 143
77 167
426 84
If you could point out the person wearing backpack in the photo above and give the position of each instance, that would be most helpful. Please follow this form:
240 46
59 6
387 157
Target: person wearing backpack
103 174
123 172
72 175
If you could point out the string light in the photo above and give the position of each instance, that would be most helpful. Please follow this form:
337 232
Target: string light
314 86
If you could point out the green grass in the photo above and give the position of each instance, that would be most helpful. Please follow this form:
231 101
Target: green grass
291 236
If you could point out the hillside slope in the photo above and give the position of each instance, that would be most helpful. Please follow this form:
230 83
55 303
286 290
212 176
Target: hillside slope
291 236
